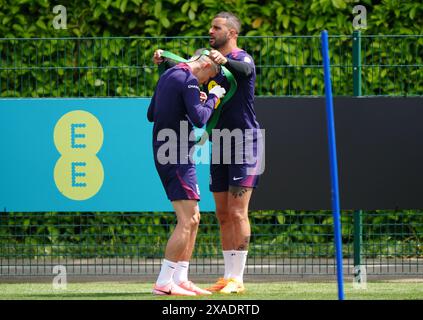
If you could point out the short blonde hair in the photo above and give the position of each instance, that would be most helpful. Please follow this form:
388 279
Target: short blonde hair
215 65
201 56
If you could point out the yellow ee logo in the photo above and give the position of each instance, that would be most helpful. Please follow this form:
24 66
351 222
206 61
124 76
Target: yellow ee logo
78 136
209 87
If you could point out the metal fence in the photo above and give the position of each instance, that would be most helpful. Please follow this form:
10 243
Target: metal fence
286 65
282 243
289 243
391 65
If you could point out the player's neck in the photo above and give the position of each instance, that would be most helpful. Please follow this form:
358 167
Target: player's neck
228 48
195 68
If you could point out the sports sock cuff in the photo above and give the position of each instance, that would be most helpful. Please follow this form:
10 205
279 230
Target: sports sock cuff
184 264
236 253
170 263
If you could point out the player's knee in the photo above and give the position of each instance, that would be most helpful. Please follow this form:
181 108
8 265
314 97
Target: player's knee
239 215
192 222
223 216
195 220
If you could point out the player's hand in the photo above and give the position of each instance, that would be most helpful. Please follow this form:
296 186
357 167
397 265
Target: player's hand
157 56
203 97
218 91
217 57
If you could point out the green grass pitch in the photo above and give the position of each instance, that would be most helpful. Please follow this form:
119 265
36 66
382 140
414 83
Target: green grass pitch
290 290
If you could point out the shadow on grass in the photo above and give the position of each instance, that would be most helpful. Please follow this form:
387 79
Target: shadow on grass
96 295
127 296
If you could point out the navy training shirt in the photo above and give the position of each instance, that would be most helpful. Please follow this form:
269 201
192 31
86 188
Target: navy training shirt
238 112
176 99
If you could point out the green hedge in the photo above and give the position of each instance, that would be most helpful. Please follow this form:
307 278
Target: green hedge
292 234
122 67
285 66
33 18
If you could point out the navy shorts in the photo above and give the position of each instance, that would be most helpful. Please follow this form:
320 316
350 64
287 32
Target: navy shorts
179 181
239 172
224 175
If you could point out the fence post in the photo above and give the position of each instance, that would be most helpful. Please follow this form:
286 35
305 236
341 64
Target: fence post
358 234
357 63
358 214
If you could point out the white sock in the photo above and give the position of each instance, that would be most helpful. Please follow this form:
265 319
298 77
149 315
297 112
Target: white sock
166 272
181 272
239 260
228 261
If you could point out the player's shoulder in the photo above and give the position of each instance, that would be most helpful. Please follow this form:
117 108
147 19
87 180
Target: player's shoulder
182 73
240 55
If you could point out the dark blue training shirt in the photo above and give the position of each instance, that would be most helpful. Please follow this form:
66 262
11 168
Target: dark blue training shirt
238 112
176 99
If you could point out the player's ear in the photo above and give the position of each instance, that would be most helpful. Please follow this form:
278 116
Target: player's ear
232 32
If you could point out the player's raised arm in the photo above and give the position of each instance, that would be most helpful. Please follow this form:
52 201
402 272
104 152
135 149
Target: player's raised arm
240 68
199 112
162 62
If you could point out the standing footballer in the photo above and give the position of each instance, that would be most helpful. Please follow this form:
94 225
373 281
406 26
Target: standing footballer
232 184
176 100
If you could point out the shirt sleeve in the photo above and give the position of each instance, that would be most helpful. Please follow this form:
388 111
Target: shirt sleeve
239 68
198 113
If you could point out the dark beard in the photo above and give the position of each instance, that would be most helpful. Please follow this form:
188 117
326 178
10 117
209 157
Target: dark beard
218 43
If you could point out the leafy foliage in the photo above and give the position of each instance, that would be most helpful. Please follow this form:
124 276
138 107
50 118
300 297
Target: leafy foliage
33 18
72 66
288 64
275 234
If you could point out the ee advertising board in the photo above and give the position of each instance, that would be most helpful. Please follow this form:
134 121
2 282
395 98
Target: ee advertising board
81 155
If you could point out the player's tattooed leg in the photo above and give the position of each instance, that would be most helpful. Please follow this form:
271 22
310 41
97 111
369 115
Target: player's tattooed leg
244 246
237 191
